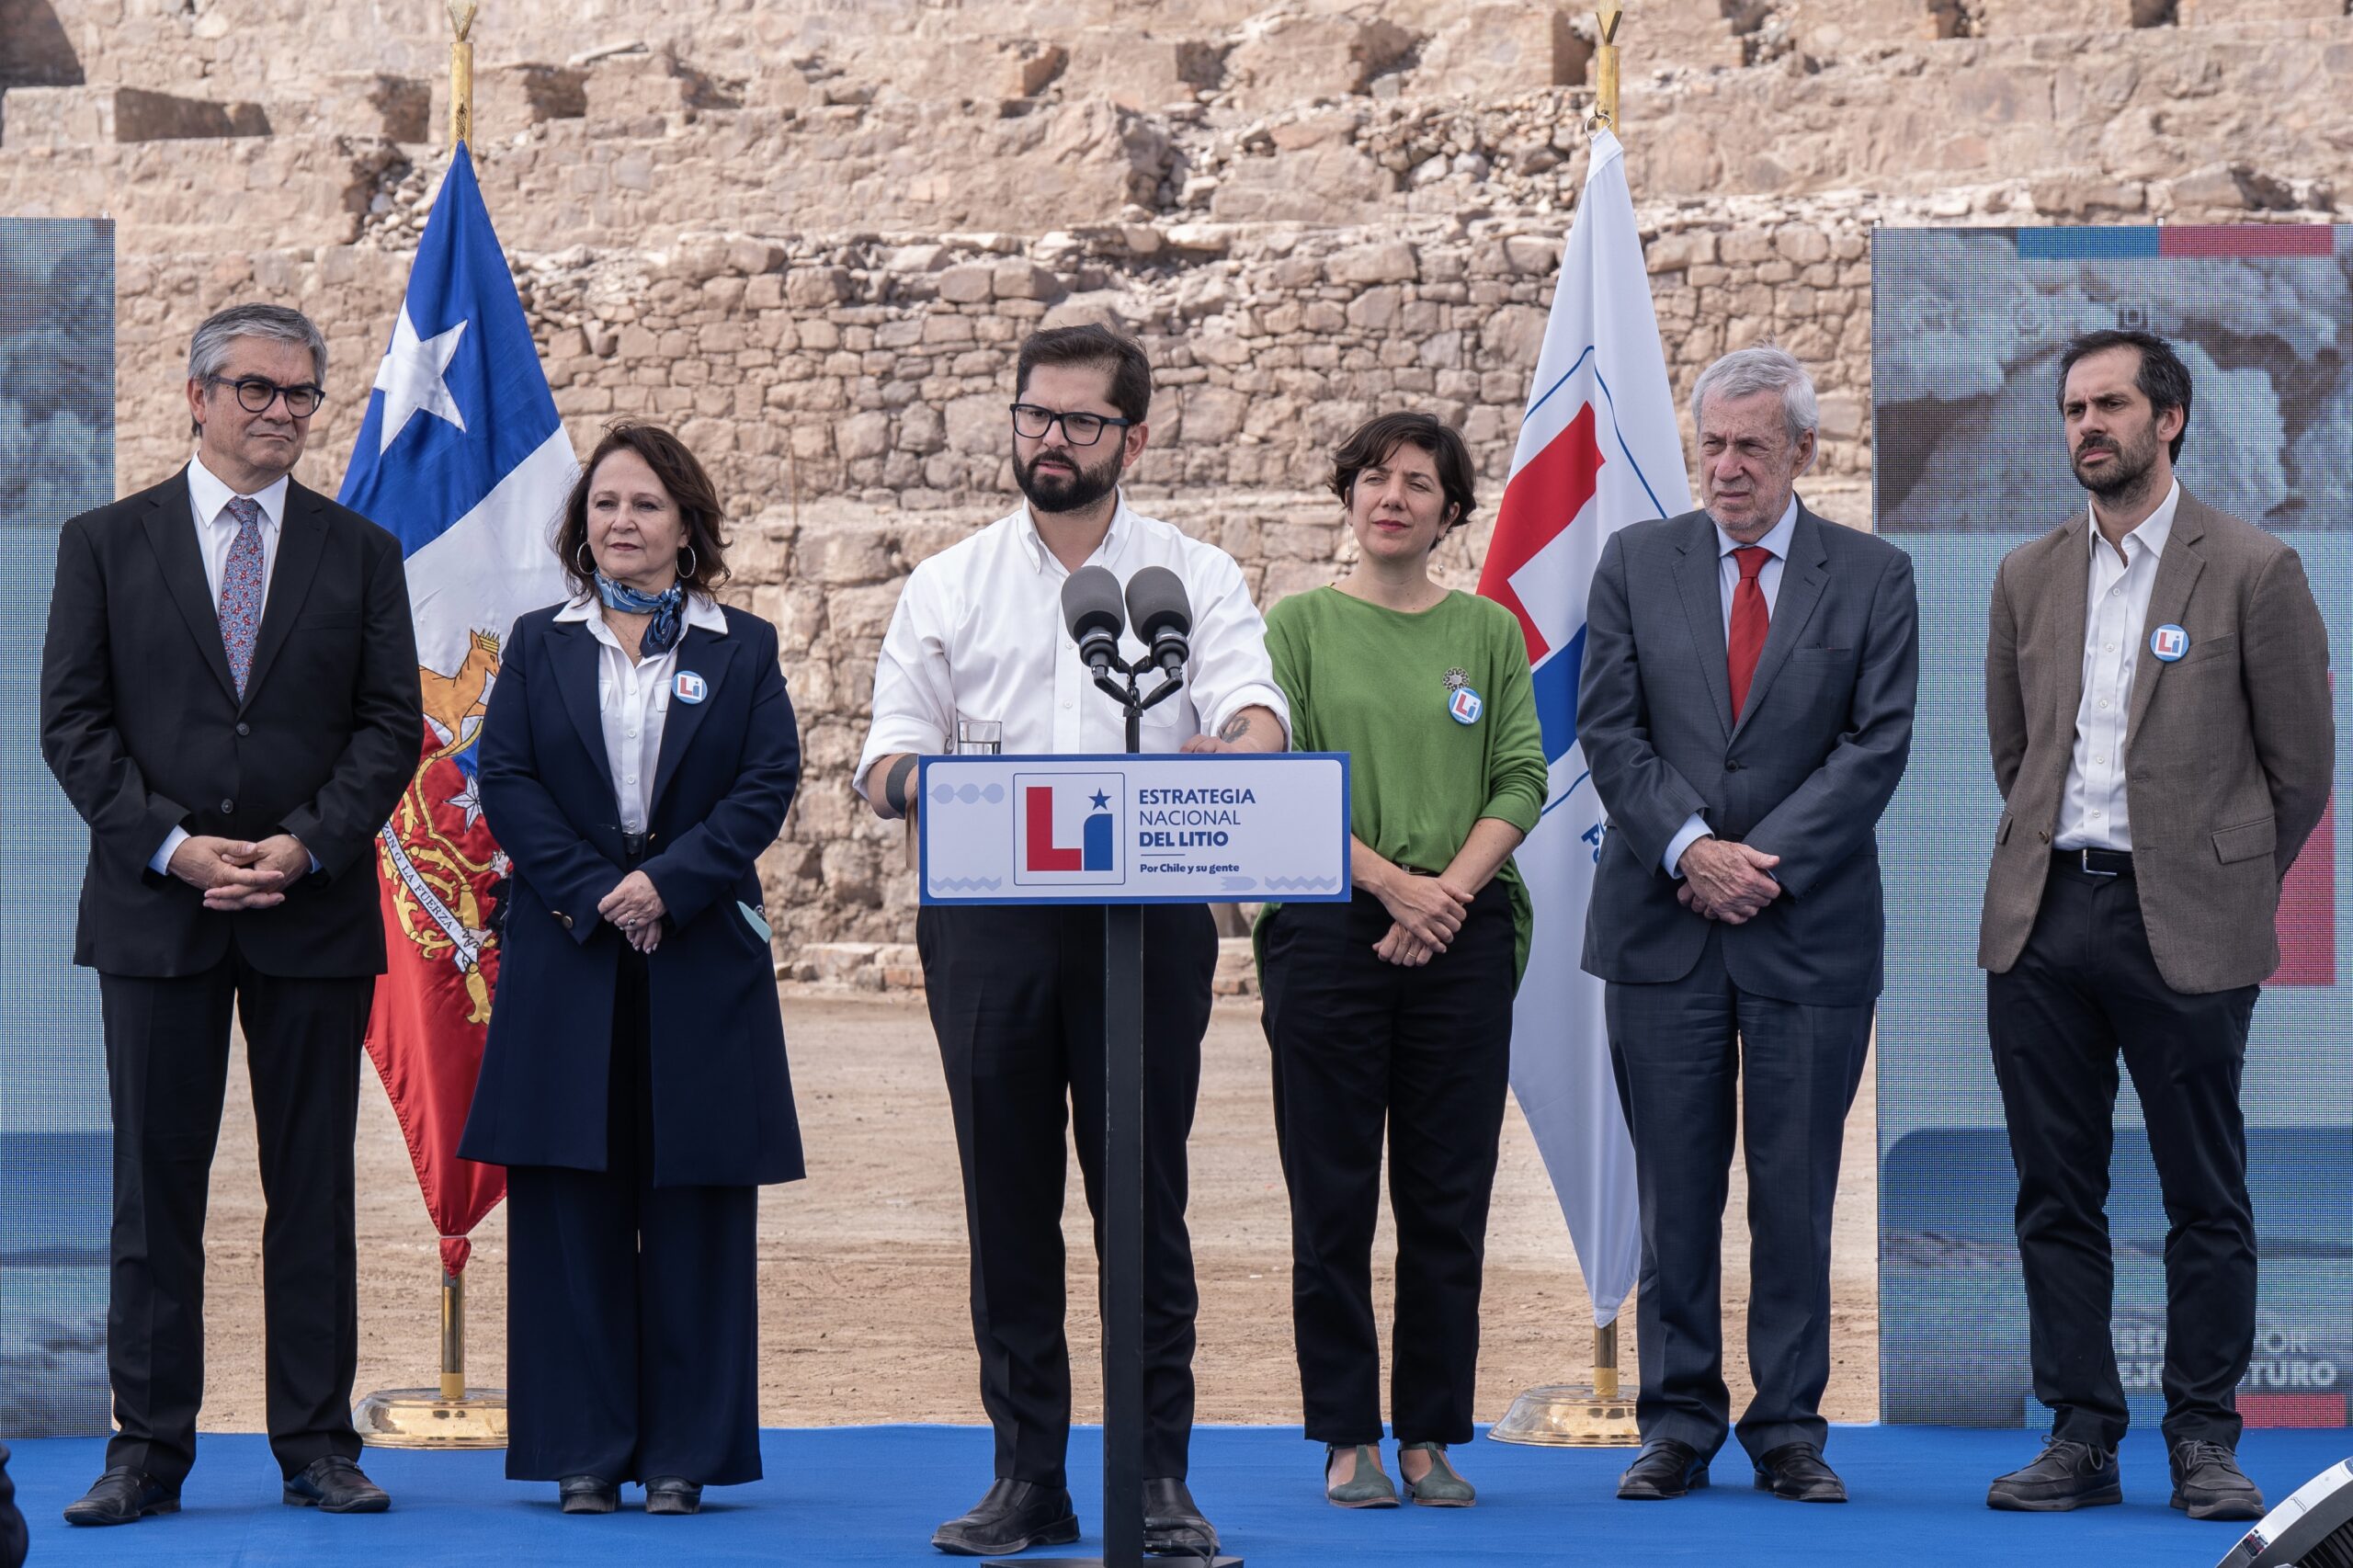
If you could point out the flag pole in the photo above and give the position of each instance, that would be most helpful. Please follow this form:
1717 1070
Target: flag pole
449 1416
1595 1414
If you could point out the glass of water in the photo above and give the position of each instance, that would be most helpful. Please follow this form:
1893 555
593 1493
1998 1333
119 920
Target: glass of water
979 737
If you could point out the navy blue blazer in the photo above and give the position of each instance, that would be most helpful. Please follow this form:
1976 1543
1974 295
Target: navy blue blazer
722 1097
1803 773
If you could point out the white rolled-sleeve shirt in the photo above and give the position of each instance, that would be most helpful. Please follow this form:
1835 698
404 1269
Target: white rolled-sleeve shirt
2093 813
633 701
1768 583
216 533
978 634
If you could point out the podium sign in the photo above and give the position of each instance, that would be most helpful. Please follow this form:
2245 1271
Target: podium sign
1220 827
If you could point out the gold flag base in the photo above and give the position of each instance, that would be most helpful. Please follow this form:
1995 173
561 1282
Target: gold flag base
425 1418
1569 1415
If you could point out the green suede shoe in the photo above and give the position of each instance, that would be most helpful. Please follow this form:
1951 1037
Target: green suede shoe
1441 1488
1369 1488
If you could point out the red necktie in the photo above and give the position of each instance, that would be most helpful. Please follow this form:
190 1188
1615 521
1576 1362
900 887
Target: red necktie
1750 620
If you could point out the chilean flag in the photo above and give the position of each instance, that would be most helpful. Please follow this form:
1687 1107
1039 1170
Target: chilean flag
461 456
1598 449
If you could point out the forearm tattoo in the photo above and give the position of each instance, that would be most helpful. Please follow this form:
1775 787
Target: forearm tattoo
1234 728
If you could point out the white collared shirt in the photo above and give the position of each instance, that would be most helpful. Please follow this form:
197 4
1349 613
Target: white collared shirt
978 634
216 531
2092 811
1768 583
633 701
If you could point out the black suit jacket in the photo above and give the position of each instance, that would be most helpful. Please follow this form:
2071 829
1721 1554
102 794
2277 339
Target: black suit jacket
141 724
1803 773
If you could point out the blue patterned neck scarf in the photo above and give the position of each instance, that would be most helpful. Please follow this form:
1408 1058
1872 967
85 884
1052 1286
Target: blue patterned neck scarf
668 607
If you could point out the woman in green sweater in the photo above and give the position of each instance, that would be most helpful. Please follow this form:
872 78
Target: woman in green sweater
1395 1007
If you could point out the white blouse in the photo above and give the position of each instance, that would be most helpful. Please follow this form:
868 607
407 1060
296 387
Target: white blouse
633 700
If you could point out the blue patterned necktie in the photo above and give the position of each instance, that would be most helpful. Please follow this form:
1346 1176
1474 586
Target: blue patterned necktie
241 586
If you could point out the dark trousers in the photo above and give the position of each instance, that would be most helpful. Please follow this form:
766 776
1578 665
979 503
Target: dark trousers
1016 1000
1691 1054
1358 1043
167 1069
632 1312
2083 990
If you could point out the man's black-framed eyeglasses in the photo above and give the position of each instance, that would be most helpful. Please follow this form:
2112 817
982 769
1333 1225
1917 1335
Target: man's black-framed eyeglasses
1078 429
256 394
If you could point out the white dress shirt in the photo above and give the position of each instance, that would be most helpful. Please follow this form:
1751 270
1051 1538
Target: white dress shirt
216 531
2092 811
633 701
979 634
1768 583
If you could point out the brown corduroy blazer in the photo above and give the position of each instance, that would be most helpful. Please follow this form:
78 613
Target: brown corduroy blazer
2230 750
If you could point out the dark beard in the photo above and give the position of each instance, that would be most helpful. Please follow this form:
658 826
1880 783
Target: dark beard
2126 480
1075 494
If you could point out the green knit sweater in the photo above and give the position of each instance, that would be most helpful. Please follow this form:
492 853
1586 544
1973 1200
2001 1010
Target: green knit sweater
1382 685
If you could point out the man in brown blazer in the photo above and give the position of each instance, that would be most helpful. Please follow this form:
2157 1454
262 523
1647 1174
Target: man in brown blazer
2157 698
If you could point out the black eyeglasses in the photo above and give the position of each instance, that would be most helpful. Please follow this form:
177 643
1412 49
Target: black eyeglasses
255 394
1078 429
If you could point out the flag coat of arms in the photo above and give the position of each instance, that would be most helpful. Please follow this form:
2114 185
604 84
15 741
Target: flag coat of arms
462 457
1598 449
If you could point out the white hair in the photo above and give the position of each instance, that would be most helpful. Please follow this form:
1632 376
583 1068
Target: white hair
1747 371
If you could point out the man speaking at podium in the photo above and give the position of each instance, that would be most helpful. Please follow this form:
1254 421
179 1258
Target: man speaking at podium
978 648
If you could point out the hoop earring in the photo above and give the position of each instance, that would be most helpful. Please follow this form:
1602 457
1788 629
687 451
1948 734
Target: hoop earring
587 568
687 574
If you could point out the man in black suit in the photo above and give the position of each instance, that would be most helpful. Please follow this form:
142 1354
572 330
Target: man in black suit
229 698
1745 706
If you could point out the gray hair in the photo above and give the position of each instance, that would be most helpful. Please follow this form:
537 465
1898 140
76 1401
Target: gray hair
208 349
1747 371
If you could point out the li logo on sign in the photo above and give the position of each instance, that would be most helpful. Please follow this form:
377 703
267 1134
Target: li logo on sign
1068 827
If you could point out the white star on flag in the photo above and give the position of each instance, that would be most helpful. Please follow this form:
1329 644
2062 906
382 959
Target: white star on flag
411 378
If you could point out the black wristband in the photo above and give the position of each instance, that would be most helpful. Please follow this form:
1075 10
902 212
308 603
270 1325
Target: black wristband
894 787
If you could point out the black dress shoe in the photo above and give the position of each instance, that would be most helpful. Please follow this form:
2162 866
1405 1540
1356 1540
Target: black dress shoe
1664 1469
2067 1475
672 1494
1795 1470
2209 1484
1172 1525
334 1485
122 1496
588 1495
1014 1516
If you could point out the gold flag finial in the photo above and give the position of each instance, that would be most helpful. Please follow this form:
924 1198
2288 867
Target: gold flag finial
1608 14
461 72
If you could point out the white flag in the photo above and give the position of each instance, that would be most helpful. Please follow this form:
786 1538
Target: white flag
1598 450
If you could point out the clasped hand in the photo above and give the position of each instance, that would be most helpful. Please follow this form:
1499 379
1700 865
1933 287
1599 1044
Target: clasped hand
234 874
1429 912
1727 881
635 906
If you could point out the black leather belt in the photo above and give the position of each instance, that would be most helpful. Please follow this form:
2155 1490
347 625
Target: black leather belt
2095 862
634 844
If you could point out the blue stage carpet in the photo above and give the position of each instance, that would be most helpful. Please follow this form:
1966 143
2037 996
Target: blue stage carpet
872 1494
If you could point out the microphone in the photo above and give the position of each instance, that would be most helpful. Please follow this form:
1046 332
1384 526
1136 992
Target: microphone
1162 616
1091 610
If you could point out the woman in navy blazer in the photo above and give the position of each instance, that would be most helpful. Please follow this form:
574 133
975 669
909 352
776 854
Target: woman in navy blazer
638 755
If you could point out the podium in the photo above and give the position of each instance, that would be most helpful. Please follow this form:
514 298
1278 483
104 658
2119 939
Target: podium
1124 830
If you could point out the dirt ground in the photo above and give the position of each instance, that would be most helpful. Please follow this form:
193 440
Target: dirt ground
863 1314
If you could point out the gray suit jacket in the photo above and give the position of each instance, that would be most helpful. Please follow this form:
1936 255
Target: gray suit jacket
2229 751
1804 775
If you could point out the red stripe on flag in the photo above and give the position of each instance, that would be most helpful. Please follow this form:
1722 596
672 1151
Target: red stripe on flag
1543 500
2291 1409
2307 916
2247 239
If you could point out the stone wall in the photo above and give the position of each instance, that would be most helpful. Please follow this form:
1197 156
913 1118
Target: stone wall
812 235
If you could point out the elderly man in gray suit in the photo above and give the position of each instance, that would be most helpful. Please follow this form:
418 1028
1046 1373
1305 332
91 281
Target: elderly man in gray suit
1745 706
2157 695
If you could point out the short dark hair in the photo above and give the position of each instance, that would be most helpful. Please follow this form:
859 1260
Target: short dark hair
688 486
1375 441
1091 345
2164 380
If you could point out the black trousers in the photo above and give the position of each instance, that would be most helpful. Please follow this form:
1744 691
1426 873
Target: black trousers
167 1069
632 1312
2083 990
1359 1043
1691 1054
1016 1000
